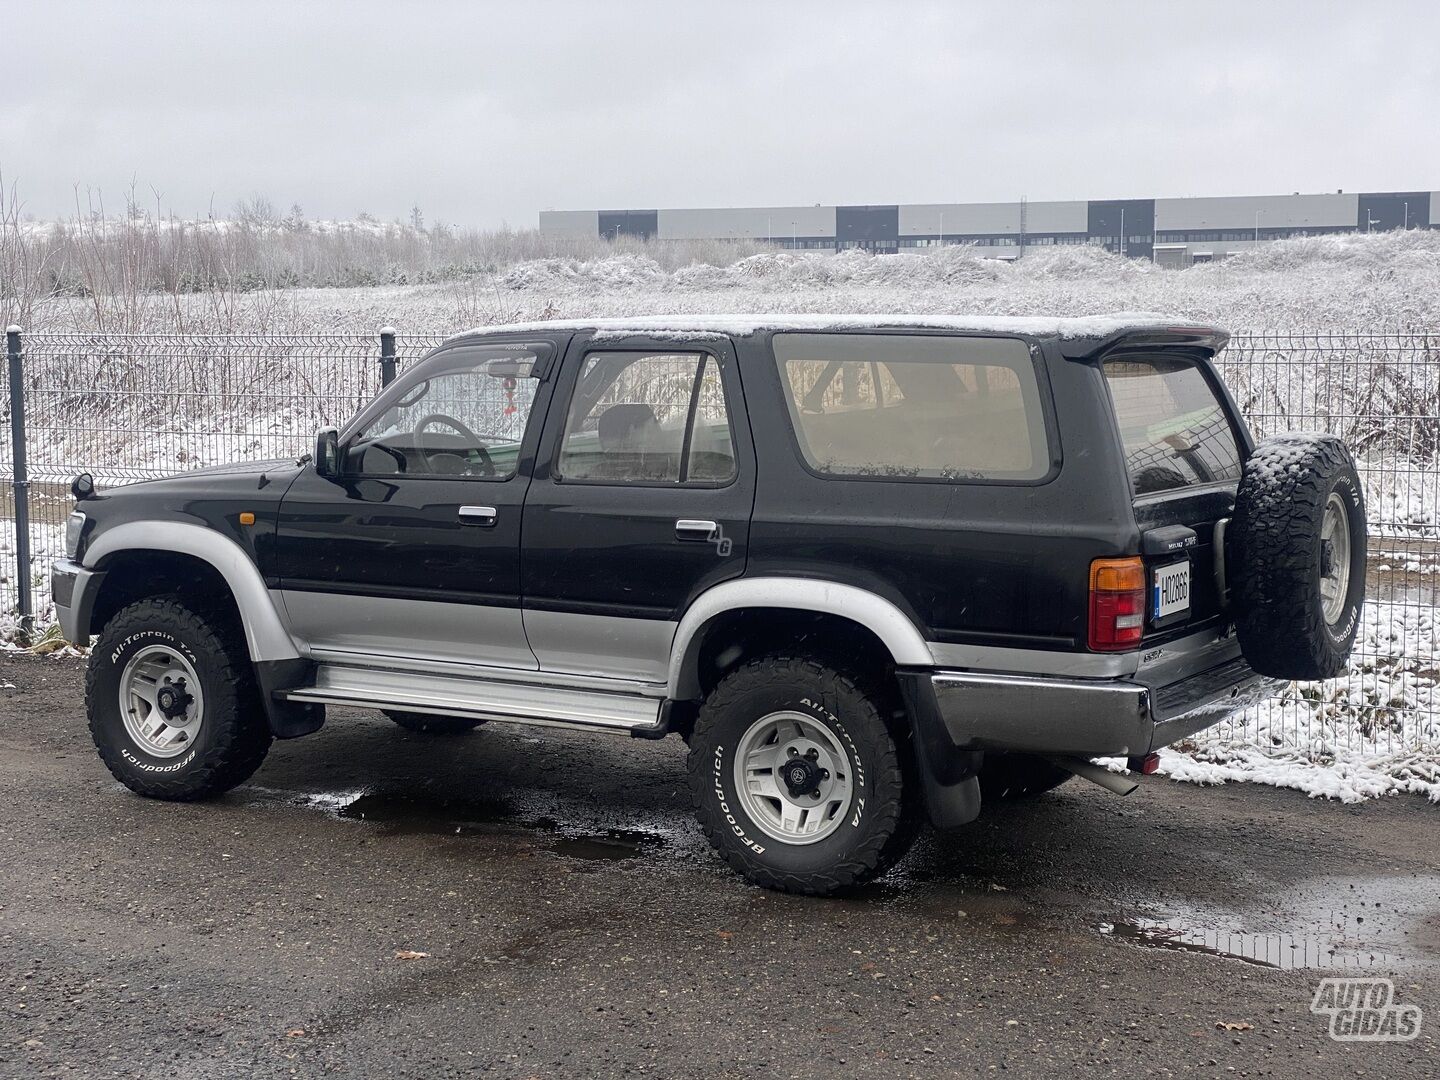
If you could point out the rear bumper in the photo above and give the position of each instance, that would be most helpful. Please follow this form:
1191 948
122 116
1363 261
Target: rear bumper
1088 717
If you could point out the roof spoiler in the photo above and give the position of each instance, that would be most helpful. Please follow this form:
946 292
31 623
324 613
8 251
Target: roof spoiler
1209 338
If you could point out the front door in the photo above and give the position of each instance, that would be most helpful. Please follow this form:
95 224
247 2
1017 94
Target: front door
413 552
643 488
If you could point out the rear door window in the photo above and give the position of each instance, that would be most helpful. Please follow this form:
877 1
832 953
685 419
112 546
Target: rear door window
648 418
911 406
1174 429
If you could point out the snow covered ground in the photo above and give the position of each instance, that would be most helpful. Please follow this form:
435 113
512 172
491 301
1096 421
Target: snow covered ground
1384 282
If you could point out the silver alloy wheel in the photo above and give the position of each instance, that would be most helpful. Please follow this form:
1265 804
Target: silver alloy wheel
788 739
161 702
1335 579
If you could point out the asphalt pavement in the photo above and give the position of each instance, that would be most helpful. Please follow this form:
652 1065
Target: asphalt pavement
537 903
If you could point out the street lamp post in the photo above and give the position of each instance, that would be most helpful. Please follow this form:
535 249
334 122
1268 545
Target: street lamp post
942 228
1122 231
1257 227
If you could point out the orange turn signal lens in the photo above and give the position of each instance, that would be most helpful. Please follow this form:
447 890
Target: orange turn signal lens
1117 575
247 518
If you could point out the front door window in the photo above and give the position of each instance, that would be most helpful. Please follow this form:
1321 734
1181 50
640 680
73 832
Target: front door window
464 416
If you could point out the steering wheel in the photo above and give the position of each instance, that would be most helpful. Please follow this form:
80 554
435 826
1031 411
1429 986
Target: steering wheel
487 467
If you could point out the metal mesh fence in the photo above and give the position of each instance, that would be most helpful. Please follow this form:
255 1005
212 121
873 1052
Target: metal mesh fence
134 407
1381 394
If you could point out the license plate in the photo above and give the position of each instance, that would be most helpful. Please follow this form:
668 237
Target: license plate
1170 594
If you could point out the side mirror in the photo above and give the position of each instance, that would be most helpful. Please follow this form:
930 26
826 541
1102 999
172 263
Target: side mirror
327 452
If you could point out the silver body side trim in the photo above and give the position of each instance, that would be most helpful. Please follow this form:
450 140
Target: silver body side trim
424 630
1159 663
891 625
1080 665
602 646
459 670
265 632
482 699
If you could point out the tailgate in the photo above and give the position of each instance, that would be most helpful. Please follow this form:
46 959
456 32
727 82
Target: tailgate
1183 456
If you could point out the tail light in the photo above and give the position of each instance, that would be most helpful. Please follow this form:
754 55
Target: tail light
1117 604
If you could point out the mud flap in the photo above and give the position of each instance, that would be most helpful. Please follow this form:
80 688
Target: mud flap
288 719
948 774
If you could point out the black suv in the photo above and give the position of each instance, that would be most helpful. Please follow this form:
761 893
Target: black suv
872 570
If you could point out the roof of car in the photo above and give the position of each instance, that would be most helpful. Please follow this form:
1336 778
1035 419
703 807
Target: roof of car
1098 327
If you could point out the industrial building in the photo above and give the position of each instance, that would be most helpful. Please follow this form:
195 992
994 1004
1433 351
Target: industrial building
1172 232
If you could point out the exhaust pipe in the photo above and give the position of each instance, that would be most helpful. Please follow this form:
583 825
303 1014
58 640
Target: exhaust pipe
1120 785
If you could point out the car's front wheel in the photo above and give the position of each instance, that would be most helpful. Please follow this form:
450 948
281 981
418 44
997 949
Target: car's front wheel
173 704
797 779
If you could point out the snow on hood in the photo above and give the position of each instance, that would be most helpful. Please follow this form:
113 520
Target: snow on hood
1088 326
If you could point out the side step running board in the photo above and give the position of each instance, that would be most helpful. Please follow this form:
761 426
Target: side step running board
480 699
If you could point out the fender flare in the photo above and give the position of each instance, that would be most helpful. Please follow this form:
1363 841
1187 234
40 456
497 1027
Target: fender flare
265 632
891 625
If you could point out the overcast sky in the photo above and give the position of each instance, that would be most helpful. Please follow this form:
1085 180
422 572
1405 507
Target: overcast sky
484 114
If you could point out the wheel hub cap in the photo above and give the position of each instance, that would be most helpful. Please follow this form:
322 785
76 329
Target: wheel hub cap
173 700
801 776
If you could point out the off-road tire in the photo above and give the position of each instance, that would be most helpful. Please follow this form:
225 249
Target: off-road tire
1276 558
432 723
235 735
884 814
1018 776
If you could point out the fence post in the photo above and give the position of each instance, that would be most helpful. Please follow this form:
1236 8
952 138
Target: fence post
387 355
21 485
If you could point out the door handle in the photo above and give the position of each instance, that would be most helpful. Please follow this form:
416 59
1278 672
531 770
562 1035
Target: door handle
696 530
483 516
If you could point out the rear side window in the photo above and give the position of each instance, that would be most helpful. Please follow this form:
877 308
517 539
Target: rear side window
914 407
1174 429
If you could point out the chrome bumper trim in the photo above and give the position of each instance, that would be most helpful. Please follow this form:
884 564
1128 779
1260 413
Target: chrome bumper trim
1089 718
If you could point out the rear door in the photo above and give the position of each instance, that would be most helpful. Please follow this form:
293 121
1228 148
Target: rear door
1184 453
641 500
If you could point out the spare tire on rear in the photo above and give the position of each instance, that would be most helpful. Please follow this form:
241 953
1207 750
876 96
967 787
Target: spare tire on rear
1297 547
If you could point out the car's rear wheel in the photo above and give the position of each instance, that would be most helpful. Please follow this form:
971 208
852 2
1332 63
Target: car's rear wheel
1015 776
173 705
797 778
433 723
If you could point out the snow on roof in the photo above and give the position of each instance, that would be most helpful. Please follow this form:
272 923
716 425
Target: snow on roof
1088 326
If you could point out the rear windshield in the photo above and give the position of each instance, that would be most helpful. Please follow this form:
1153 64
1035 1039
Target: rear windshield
1175 432
914 407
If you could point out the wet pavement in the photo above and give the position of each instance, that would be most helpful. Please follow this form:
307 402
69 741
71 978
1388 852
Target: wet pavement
381 903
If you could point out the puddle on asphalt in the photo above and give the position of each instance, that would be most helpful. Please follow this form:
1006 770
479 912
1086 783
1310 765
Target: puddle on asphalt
417 814
1356 924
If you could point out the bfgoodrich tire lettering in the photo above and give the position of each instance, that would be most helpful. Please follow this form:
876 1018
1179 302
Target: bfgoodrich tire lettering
1283 559
879 819
231 739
